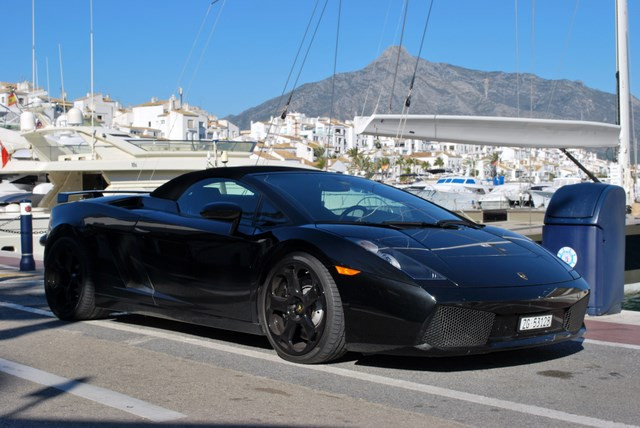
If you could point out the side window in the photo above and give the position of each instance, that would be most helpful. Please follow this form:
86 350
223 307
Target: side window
211 190
268 215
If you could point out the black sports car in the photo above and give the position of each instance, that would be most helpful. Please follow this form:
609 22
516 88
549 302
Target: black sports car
320 263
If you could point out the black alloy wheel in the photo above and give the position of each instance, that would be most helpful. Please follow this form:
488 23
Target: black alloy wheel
67 282
301 311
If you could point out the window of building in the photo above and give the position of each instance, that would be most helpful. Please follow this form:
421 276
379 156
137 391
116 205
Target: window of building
190 123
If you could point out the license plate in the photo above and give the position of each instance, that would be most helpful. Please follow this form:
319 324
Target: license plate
534 323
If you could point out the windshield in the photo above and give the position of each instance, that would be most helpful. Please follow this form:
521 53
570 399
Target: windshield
328 197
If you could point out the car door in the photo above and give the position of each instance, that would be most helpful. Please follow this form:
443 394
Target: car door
198 264
115 272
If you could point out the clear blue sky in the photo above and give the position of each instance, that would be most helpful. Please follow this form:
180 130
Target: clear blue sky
142 46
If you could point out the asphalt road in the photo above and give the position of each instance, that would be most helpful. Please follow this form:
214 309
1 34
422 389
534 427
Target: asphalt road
133 370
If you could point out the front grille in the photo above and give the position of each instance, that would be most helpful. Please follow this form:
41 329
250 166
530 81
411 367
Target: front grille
574 316
454 327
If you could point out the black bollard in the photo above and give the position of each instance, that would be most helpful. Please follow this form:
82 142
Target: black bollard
26 237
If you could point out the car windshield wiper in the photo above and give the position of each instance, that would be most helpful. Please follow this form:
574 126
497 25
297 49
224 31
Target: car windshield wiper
456 222
442 224
410 224
386 225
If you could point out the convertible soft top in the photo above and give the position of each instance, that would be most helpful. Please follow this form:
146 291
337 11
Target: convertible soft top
174 188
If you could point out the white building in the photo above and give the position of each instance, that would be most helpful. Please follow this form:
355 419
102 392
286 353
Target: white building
221 129
26 96
183 125
173 121
104 108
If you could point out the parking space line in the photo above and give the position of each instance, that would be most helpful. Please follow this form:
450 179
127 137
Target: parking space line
97 394
27 309
612 344
357 375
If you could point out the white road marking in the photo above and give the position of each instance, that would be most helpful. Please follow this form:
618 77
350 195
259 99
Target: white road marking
27 309
612 344
8 267
352 374
90 392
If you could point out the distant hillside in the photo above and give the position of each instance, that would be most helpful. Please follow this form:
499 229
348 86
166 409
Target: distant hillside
443 89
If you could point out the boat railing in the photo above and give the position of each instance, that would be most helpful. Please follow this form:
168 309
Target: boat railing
62 152
193 145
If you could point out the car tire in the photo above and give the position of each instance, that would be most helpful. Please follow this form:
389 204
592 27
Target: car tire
68 284
300 311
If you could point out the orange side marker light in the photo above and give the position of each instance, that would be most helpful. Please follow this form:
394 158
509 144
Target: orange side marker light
346 271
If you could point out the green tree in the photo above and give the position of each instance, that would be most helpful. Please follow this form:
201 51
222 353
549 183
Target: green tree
359 162
439 161
495 157
352 153
318 152
321 163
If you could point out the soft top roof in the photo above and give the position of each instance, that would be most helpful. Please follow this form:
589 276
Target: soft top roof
172 189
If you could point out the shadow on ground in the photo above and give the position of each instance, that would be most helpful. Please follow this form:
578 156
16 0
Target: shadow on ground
472 362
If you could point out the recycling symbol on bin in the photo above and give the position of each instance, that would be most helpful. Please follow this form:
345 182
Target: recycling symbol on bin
568 255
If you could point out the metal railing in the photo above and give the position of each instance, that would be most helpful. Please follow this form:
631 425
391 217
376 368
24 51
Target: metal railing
193 145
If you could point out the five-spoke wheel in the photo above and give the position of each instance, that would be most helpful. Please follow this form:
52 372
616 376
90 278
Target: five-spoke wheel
301 311
67 283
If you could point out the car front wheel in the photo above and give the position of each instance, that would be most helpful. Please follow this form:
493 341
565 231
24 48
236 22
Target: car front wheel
301 311
67 282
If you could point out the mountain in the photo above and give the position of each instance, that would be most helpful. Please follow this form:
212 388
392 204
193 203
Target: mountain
442 89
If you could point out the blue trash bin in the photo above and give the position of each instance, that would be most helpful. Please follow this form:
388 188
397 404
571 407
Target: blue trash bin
584 226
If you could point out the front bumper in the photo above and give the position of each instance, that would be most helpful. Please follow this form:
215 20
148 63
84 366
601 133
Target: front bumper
459 330
391 317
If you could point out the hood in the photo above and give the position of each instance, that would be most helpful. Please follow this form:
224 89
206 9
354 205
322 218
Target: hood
470 257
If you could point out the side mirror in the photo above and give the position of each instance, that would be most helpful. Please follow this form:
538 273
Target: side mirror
223 211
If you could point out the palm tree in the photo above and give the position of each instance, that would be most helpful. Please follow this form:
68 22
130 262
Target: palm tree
495 158
359 162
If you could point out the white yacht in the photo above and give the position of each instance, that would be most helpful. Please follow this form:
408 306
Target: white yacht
542 193
508 195
79 158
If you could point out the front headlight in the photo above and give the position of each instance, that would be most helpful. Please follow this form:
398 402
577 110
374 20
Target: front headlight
400 261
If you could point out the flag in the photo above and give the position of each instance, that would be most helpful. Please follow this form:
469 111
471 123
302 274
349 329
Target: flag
12 99
5 155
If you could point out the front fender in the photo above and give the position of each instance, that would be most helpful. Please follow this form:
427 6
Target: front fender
384 308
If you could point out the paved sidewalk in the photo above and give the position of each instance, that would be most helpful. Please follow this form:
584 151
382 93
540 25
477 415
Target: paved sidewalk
9 258
619 328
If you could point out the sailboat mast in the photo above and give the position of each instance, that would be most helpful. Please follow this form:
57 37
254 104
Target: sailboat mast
622 20
33 44
91 43
64 102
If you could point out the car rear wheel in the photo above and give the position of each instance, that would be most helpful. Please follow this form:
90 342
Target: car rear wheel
67 282
301 311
